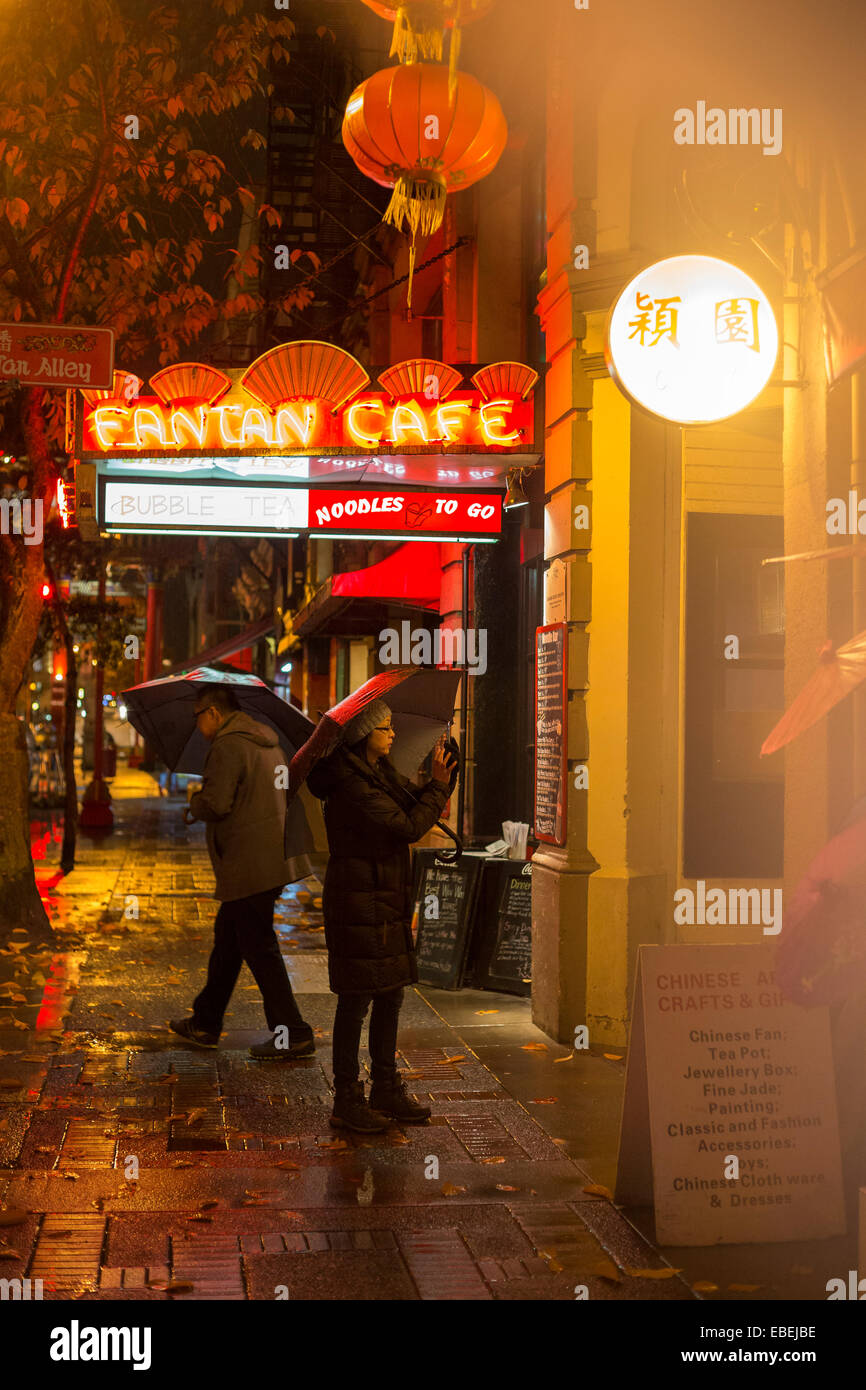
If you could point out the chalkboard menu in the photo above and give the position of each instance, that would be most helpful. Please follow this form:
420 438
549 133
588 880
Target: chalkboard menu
445 894
506 963
551 744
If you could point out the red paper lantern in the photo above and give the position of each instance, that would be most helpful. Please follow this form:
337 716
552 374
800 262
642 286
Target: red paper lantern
405 131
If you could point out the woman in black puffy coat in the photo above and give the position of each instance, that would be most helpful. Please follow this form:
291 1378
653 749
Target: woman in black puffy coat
372 816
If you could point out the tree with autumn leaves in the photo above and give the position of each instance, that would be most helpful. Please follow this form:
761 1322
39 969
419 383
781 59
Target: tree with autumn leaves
131 139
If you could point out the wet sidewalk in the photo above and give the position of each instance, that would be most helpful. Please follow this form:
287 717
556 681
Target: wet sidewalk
141 1169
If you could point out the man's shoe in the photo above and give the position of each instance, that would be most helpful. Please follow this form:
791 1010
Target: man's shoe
392 1099
186 1029
299 1045
351 1111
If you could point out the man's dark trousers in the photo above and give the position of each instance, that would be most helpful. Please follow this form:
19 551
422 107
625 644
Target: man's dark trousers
244 931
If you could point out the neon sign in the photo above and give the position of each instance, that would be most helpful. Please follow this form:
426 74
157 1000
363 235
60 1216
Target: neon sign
372 421
226 506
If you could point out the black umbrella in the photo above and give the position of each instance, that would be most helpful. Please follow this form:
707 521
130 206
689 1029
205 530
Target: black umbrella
163 712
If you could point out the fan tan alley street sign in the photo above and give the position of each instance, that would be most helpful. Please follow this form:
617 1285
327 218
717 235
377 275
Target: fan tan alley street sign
48 354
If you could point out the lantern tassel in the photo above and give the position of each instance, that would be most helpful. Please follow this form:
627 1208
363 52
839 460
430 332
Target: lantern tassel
418 203
412 250
409 44
453 58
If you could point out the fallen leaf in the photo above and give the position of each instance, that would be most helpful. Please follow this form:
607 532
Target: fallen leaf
535 1047
208 1203
479 1012
16 1023
506 1187
613 1056
195 1114
71 1177
552 1263
7 1253
287 1163
451 1189
595 1189
564 1059
173 1286
55 1235
550 1100
491 1160
444 1062
12 1216
606 1269
334 1144
665 1273
704 1286
183 1163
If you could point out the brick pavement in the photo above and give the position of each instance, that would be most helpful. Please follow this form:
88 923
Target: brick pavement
144 1169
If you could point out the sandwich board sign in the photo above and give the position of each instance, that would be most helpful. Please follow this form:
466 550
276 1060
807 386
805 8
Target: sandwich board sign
729 1125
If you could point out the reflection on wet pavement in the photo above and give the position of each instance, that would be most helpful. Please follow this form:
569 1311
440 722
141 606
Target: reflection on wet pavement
134 1167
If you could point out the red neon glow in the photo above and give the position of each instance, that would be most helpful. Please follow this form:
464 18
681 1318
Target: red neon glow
46 590
63 509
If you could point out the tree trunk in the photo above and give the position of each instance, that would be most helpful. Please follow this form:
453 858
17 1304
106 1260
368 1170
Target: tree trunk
21 576
70 810
20 903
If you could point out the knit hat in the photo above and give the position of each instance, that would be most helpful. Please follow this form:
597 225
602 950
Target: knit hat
364 723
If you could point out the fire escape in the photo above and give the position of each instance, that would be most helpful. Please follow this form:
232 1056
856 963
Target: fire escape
327 207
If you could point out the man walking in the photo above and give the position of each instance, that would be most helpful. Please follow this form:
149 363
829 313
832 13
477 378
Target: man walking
244 809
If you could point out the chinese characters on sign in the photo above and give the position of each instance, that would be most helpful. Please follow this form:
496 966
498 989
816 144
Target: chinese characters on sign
734 321
692 339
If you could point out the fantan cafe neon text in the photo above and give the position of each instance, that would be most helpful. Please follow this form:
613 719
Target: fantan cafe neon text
371 421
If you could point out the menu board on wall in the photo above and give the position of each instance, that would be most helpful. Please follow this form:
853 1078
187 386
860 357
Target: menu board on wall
551 740
729 1123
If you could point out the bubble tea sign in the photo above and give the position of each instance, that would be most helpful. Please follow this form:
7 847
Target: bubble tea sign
692 339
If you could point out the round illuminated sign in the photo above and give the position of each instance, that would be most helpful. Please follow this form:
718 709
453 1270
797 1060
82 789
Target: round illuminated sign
692 339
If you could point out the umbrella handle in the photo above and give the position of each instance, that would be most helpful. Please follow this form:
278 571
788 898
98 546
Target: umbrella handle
449 856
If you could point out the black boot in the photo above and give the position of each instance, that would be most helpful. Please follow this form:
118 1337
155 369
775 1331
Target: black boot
391 1098
351 1110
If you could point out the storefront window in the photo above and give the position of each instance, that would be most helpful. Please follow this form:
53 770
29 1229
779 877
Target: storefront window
733 798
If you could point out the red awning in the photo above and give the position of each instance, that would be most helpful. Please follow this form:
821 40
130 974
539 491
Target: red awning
412 575
360 601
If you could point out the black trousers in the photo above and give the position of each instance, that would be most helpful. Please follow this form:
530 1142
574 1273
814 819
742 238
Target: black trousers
244 932
348 1022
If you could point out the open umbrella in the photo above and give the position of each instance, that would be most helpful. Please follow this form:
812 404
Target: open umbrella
421 701
821 955
163 712
841 669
